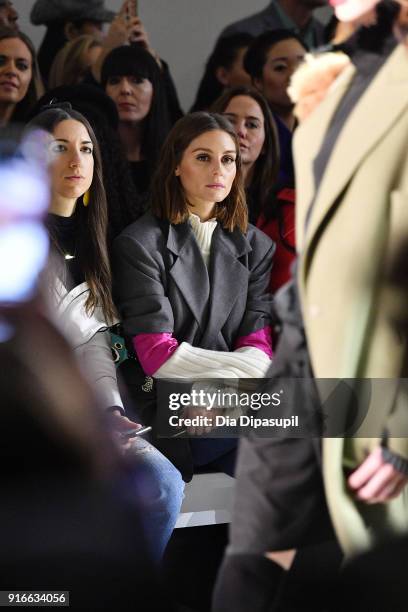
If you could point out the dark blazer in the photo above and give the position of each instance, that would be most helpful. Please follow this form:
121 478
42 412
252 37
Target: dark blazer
161 283
271 18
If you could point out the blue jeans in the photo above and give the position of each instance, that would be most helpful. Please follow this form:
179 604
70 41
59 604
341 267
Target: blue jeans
157 488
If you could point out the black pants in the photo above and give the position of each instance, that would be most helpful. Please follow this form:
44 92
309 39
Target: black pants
252 583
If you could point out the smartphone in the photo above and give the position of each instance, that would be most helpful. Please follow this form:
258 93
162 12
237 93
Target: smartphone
132 433
132 9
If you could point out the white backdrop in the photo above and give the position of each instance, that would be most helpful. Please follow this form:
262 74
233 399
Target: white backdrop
182 31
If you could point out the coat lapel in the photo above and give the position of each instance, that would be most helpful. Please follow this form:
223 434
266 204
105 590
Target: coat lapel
189 271
307 141
365 126
228 278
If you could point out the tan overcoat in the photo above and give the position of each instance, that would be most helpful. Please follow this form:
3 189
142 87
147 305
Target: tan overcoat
359 216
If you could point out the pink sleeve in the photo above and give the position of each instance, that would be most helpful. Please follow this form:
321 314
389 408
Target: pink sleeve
153 350
261 339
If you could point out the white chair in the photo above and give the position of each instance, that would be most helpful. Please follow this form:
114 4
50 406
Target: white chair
208 500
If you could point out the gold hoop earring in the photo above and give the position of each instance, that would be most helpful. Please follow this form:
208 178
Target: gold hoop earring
85 198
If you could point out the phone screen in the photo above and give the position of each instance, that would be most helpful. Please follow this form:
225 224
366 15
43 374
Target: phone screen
132 433
132 8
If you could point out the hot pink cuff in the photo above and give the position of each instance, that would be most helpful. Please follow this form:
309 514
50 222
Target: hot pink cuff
153 350
261 339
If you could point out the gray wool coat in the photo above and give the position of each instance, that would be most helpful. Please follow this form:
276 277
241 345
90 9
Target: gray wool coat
161 284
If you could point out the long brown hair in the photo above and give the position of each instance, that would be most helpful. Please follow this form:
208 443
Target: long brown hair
168 197
93 219
35 89
266 167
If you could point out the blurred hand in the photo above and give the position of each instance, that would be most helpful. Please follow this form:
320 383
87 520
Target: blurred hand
137 33
124 30
375 480
199 430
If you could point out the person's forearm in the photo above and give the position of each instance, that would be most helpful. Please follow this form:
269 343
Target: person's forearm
196 363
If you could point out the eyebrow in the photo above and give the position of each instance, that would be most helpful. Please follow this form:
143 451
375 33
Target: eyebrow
210 150
64 140
26 59
246 116
286 57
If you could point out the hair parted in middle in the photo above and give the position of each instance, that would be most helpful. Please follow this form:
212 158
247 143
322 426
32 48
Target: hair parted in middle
168 200
35 88
93 219
266 167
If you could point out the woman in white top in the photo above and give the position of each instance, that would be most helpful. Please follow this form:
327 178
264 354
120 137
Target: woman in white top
81 289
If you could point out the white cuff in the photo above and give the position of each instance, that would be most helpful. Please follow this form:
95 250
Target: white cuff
196 363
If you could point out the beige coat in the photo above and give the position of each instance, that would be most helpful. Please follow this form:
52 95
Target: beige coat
359 216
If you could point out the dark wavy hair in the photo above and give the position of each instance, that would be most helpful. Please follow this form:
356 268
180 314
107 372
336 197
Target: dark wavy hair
224 55
35 88
255 57
136 61
168 200
266 167
93 219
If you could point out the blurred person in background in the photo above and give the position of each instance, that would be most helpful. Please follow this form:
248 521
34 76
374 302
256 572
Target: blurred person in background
224 68
8 15
132 79
66 20
74 60
80 296
67 519
271 203
293 15
20 85
252 119
340 32
128 29
271 60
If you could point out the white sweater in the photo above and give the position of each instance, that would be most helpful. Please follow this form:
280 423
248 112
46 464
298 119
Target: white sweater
89 337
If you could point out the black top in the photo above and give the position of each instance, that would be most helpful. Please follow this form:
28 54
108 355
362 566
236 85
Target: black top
64 232
140 173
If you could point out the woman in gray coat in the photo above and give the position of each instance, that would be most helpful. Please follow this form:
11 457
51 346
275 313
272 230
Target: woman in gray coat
191 279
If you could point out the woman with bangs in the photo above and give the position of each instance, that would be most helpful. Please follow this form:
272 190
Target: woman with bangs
132 78
191 279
